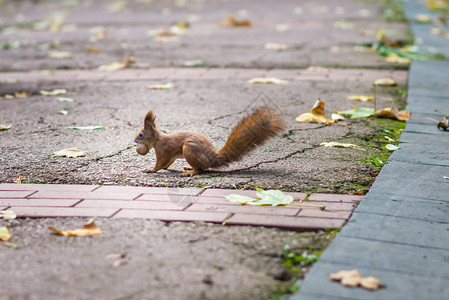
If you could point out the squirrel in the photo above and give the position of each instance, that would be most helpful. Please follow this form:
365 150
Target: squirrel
252 131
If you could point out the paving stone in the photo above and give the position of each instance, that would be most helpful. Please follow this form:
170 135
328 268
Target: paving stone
388 256
246 209
318 213
15 194
214 217
335 198
221 193
148 190
62 212
295 223
86 195
158 205
405 206
169 198
39 202
46 187
398 230
399 285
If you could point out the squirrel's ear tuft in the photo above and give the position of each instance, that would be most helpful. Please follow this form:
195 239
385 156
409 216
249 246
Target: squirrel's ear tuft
149 120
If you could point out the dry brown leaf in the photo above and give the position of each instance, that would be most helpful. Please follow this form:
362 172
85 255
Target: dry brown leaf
232 22
340 145
114 66
371 283
352 278
393 112
385 82
316 115
394 58
90 228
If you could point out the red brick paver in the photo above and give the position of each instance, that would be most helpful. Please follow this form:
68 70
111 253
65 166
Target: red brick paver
311 212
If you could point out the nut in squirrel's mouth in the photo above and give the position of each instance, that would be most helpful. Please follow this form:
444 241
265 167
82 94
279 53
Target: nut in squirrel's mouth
142 149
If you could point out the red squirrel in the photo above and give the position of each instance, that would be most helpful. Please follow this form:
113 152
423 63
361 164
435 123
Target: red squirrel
252 131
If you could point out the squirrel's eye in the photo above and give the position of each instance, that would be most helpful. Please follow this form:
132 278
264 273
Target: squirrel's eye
140 134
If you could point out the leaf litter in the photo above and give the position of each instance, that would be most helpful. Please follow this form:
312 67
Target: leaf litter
5 236
353 278
270 80
316 115
267 198
90 228
69 152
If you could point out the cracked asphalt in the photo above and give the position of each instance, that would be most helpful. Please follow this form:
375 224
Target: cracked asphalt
322 61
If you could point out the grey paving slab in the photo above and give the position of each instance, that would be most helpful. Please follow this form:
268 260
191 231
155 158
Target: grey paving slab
428 78
390 257
399 285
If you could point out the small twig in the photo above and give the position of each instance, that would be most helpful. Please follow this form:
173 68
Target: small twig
321 207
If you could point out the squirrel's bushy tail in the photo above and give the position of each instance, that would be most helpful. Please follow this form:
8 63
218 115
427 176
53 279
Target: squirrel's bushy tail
249 133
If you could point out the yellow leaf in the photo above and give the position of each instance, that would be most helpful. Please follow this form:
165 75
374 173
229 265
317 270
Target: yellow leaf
232 22
90 228
393 112
114 66
394 58
360 98
272 80
166 86
60 54
20 94
385 82
4 234
316 115
54 92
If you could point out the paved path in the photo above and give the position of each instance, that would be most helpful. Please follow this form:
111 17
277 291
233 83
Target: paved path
173 204
400 231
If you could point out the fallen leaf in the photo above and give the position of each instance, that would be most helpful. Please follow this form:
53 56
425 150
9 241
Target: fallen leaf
316 115
93 50
390 147
60 54
69 152
239 199
120 262
371 283
344 25
337 117
272 80
274 46
7 215
20 94
422 18
393 112
164 86
282 27
357 113
63 112
232 22
94 127
445 177
117 6
267 198
389 139
340 145
115 256
443 124
20 179
194 63
385 82
5 127
394 58
115 66
377 161
4 234
360 98
90 228
65 99
352 278
54 92
271 197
